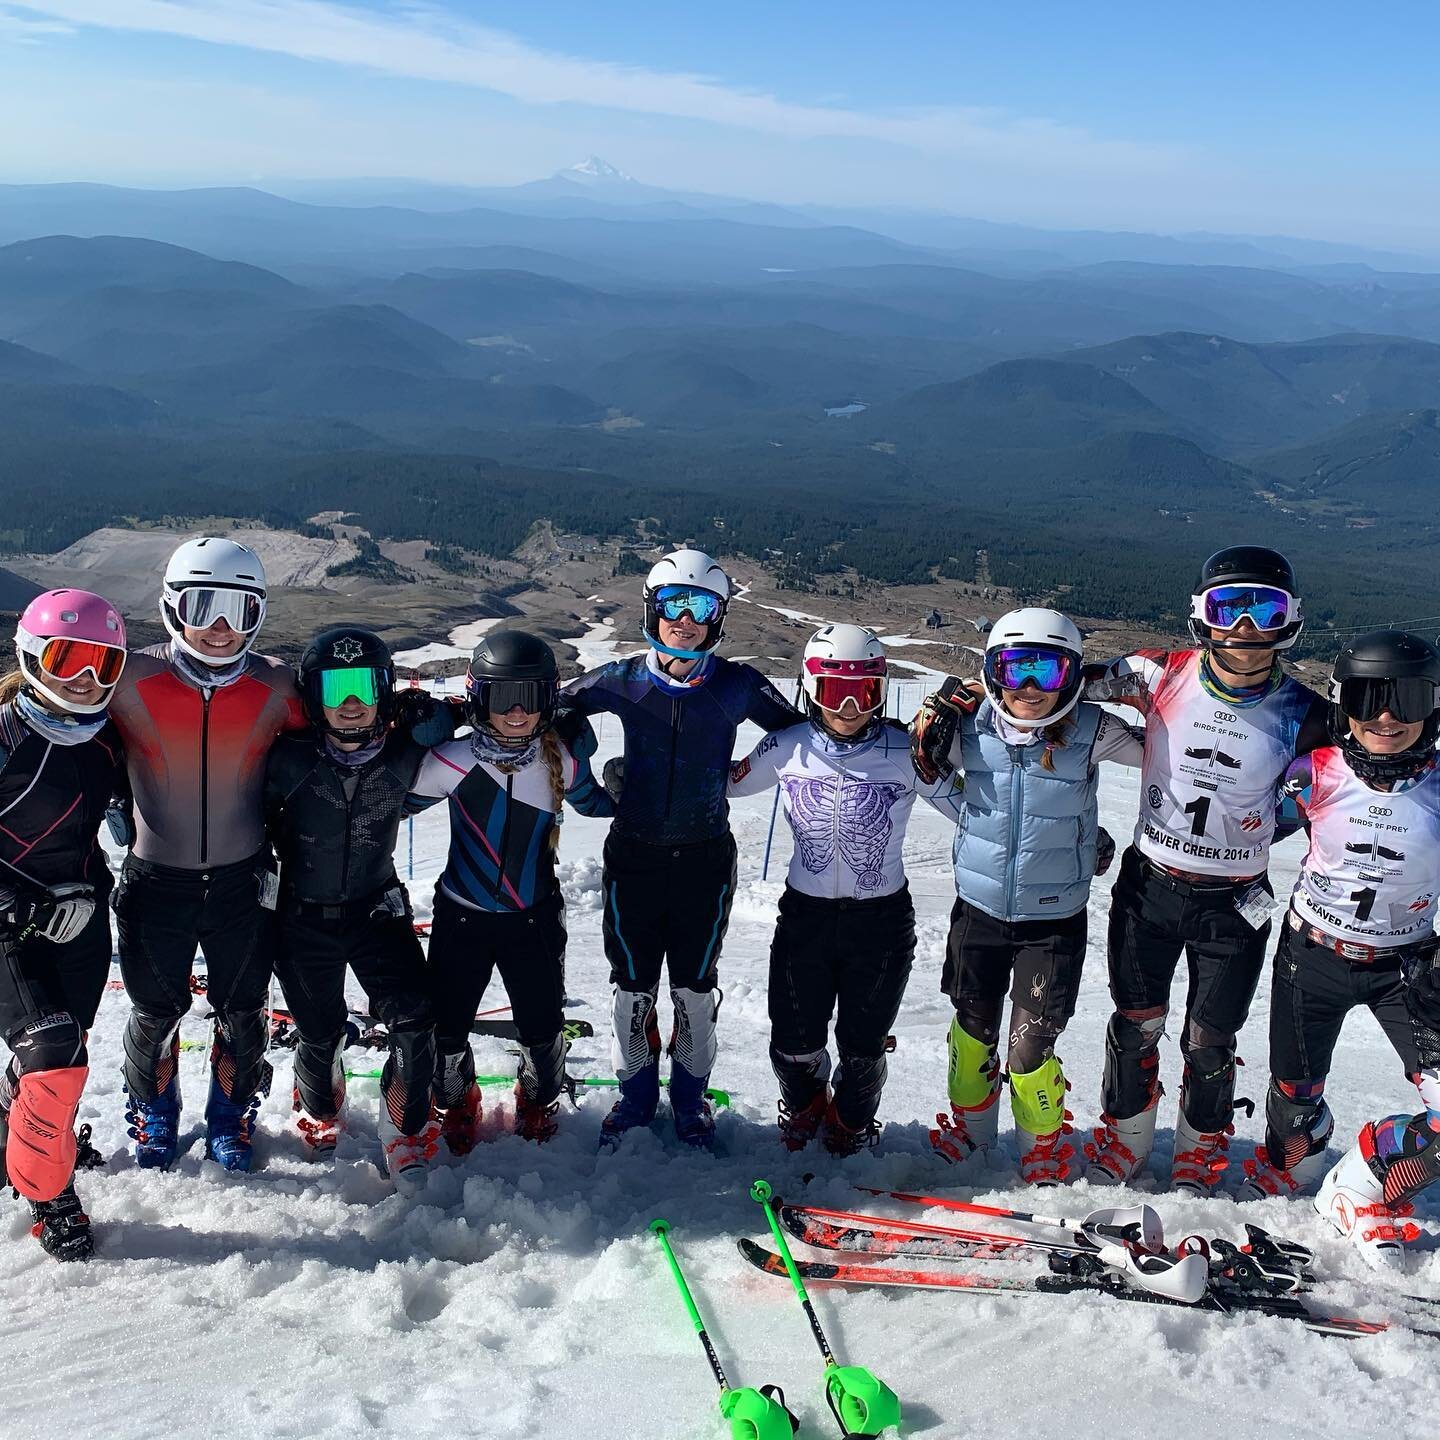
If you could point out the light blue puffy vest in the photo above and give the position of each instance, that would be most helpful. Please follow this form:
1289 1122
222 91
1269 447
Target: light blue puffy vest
1025 846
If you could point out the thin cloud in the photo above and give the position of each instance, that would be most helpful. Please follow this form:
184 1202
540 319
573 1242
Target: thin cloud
426 43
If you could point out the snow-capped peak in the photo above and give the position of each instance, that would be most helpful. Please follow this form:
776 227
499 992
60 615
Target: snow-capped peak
593 170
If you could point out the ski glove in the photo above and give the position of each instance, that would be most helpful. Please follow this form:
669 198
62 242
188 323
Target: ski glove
120 821
1104 850
429 720
613 777
932 731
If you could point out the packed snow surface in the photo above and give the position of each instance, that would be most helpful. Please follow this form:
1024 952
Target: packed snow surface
521 1295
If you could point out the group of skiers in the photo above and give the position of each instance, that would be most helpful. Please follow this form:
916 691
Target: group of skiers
259 807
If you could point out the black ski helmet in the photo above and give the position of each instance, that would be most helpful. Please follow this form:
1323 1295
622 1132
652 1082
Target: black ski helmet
1386 670
509 668
1245 565
348 647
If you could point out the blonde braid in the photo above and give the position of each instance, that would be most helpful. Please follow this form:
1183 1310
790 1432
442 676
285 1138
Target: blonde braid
554 759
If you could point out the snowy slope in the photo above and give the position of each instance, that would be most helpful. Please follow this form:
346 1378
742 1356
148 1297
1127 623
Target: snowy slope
521 1295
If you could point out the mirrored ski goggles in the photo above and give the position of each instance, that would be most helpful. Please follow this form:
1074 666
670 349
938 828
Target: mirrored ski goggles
364 683
1409 700
200 606
703 606
1223 607
1011 668
70 659
834 683
500 697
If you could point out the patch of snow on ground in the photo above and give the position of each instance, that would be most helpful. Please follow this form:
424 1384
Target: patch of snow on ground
458 646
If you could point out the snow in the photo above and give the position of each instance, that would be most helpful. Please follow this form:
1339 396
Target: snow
521 1296
458 646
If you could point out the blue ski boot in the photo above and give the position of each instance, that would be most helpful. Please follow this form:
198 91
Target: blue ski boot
694 1122
230 1124
639 1099
154 1126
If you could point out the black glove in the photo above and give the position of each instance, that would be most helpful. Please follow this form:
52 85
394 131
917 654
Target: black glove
428 719
120 820
932 731
613 777
1104 850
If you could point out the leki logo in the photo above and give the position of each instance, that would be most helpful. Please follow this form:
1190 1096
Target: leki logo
347 649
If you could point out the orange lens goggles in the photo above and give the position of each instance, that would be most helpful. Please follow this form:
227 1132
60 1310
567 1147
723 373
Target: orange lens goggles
70 659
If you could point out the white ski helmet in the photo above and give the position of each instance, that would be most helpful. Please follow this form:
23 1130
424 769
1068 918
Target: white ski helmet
709 586
208 579
843 670
1017 650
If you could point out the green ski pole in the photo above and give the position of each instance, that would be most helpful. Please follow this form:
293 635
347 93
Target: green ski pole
753 1414
714 1096
862 1403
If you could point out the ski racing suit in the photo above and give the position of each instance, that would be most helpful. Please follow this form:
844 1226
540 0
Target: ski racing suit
845 936
1194 879
498 904
198 871
669 871
333 817
1360 930
56 782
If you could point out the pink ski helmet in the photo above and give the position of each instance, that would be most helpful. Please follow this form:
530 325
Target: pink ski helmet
64 633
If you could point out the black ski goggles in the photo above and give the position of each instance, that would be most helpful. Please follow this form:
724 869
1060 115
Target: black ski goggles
500 697
1409 699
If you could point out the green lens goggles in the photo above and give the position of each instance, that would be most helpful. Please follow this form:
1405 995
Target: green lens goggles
337 686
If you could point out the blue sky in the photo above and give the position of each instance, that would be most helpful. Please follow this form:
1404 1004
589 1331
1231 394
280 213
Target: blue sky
1316 119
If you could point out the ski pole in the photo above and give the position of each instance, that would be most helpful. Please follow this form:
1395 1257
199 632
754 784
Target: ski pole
753 1414
1135 1225
412 847
861 1402
774 810
714 1096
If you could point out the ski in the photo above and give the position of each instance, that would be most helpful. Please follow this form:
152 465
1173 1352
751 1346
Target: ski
870 1235
1082 1280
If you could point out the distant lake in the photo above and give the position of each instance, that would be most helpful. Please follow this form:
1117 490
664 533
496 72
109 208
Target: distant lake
845 411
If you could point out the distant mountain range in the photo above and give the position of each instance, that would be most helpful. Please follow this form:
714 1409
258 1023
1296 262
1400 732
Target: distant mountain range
621 360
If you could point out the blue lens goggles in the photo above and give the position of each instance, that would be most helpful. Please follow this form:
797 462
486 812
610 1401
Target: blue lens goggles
703 606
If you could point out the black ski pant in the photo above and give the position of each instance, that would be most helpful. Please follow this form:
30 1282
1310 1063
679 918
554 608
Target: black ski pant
162 914
467 946
1038 962
1154 918
315 944
850 959
666 904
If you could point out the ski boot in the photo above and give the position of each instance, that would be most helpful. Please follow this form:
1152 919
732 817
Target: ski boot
408 1157
1298 1127
1037 1099
230 1124
842 1140
694 1120
154 1126
974 1087
1119 1149
1353 1195
534 1121
799 1127
319 1134
635 1109
460 1123
62 1226
1200 1158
